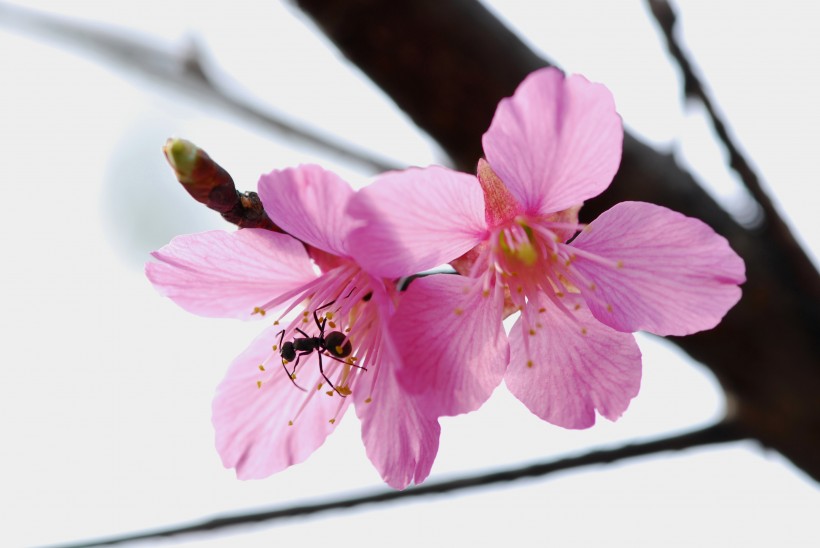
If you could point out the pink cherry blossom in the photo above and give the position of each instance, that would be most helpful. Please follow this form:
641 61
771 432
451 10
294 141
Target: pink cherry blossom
513 232
270 413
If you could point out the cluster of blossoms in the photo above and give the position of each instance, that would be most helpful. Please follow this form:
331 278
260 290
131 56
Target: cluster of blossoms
404 359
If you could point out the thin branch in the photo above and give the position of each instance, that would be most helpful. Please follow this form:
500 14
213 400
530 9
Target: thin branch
694 88
718 433
185 69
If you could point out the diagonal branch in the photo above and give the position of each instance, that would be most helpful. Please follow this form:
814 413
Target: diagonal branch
694 88
187 70
721 432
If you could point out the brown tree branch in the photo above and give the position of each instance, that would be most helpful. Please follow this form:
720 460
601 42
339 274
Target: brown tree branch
447 63
718 433
186 70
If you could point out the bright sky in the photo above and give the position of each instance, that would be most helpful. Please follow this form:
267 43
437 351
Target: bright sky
105 387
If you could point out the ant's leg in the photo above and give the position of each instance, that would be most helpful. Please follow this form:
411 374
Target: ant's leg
292 373
344 361
305 335
322 371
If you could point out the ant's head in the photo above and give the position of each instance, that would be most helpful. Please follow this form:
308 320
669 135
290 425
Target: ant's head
338 344
288 352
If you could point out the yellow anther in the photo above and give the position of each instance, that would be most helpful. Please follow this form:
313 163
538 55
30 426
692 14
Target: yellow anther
257 310
262 367
330 392
368 400
293 376
577 307
275 347
559 294
519 289
276 322
344 390
583 331
529 363
305 313
339 348
331 421
592 287
258 384
329 315
458 311
609 308
332 325
485 293
290 423
542 310
619 264
304 320
319 387
532 331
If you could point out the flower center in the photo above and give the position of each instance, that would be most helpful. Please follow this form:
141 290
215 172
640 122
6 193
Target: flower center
517 243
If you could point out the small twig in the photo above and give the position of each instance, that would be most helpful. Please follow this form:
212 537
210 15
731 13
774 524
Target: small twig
185 69
694 89
719 433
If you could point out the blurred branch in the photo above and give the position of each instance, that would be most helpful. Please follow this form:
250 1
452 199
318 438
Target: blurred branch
447 63
185 69
719 433
693 88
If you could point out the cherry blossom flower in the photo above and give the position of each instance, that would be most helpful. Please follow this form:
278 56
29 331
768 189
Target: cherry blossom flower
289 389
513 233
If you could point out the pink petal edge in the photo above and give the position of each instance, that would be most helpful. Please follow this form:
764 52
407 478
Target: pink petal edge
415 220
673 274
309 203
228 274
556 142
578 366
452 344
251 423
400 437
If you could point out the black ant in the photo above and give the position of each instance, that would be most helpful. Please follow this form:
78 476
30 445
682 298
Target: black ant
334 345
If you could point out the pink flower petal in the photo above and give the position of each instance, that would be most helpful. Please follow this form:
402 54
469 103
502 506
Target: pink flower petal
252 424
416 220
576 366
556 142
667 274
452 343
400 437
309 203
228 274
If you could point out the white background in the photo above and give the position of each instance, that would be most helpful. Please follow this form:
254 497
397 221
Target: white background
105 387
